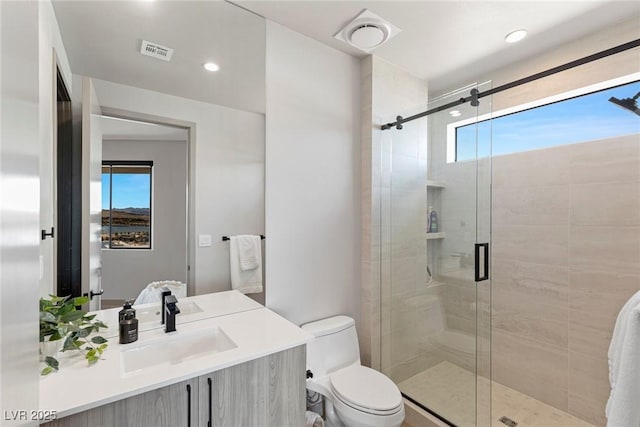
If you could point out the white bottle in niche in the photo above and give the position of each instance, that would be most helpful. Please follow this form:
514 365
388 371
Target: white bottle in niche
433 221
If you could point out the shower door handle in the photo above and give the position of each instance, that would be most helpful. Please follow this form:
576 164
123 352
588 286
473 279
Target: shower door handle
485 262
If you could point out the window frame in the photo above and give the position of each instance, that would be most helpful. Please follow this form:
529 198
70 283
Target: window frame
452 143
133 163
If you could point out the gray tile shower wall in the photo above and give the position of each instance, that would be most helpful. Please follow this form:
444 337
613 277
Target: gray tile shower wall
566 256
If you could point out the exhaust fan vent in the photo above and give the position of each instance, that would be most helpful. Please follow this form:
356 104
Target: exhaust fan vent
367 31
155 50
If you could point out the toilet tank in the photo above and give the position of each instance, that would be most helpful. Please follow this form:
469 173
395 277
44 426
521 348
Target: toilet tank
335 345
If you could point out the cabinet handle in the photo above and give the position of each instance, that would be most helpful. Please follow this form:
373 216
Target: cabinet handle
485 250
188 405
209 401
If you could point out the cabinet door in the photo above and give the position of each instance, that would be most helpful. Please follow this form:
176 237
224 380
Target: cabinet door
266 392
287 398
172 406
238 396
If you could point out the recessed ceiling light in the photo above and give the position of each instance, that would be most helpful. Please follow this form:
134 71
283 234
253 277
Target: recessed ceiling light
210 66
515 36
454 113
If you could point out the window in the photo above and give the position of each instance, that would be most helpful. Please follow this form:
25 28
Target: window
567 119
126 204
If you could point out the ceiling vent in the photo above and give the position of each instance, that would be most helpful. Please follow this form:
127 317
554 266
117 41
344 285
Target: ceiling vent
367 31
155 50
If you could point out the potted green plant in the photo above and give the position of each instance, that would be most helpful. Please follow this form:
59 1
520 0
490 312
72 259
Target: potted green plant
62 323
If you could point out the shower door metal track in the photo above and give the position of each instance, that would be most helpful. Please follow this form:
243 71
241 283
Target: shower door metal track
424 408
475 95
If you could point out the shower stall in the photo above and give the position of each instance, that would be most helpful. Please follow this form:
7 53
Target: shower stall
435 304
501 312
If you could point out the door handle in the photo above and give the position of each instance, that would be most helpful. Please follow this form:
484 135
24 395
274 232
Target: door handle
92 294
44 234
485 263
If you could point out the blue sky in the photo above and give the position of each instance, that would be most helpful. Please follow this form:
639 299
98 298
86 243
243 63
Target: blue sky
585 118
130 190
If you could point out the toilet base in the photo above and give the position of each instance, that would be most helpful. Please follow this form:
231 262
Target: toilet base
331 417
352 418
341 415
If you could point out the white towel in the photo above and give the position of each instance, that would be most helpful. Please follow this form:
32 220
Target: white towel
151 293
615 348
245 281
249 251
624 368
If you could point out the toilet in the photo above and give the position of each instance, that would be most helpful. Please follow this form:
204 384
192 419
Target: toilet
354 395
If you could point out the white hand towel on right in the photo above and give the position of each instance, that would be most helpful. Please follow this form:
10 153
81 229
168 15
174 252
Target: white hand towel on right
624 364
246 280
617 340
249 251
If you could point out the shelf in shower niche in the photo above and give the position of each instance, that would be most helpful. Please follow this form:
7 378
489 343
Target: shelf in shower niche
435 184
432 236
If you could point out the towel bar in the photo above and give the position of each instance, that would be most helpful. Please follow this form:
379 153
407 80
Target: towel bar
225 238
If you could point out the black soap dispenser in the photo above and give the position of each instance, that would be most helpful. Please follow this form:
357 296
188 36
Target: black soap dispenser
126 307
128 324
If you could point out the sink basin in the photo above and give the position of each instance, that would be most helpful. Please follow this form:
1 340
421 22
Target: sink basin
175 349
152 314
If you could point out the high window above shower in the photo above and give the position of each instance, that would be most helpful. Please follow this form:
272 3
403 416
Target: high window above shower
590 113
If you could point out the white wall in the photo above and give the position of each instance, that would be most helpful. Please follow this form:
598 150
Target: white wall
19 208
229 171
313 178
126 272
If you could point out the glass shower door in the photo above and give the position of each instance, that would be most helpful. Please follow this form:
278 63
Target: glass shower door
435 292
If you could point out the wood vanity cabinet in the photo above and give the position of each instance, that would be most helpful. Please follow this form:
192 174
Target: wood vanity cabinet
169 406
265 392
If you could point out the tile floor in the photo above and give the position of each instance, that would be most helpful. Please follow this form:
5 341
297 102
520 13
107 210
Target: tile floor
449 390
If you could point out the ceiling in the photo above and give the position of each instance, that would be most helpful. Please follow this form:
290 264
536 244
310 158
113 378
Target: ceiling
452 43
116 129
103 40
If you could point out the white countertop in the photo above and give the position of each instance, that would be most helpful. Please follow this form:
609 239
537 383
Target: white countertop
77 387
212 305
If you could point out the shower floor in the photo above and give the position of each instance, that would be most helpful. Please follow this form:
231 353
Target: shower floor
449 390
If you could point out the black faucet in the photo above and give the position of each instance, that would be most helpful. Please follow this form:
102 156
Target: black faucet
165 293
170 309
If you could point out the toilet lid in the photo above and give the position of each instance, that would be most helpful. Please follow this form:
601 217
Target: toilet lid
365 389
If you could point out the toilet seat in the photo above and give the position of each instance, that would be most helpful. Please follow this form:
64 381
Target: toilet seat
366 390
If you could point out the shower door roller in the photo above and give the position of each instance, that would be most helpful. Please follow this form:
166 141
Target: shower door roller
485 261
